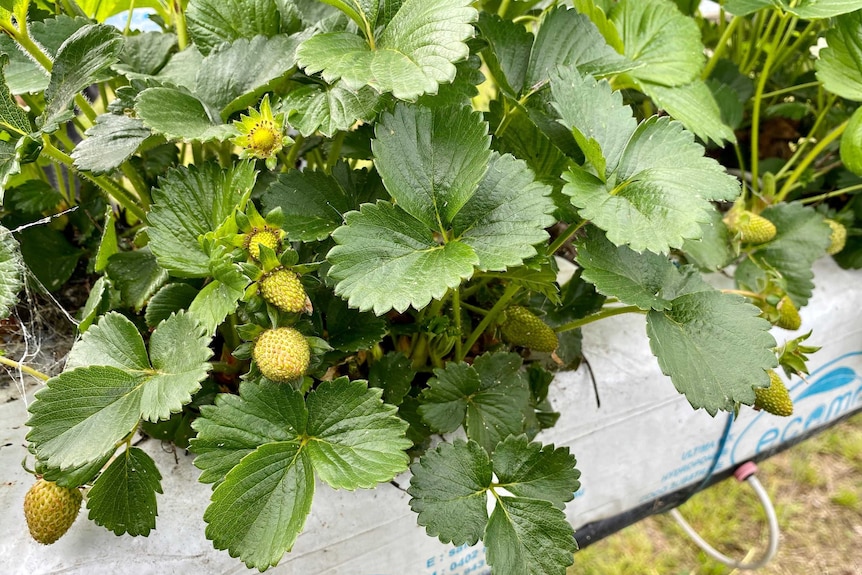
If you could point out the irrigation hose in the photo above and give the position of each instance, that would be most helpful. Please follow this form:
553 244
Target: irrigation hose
746 472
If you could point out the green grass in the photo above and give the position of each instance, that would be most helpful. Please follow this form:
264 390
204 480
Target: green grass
847 498
817 491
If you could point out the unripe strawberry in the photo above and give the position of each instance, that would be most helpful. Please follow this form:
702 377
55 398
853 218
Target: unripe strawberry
282 354
750 227
50 510
838 238
266 236
521 327
788 315
774 399
282 288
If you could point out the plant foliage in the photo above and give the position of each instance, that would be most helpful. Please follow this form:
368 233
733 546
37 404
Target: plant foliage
411 169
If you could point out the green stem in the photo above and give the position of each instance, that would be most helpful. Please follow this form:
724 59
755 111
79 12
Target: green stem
474 309
23 39
606 312
86 108
293 154
32 104
504 7
64 191
821 116
137 182
812 155
510 292
745 293
505 121
334 151
833 194
758 99
179 18
721 47
28 370
456 314
791 89
128 26
110 187
793 50
419 353
564 237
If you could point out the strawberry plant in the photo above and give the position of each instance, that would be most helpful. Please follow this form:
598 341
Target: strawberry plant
323 238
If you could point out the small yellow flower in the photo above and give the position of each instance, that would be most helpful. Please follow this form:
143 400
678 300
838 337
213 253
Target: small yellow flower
261 134
254 231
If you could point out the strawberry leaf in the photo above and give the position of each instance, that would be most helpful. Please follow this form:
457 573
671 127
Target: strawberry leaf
659 194
489 398
117 385
508 53
802 237
527 533
12 117
388 260
123 498
533 471
260 508
459 207
431 177
262 413
450 491
358 440
529 536
507 215
666 48
714 346
413 54
213 22
213 304
177 114
137 275
600 123
100 405
567 38
617 271
190 203
79 61
314 203
694 105
328 109
114 341
810 10
11 272
264 447
109 143
232 76
660 39
839 66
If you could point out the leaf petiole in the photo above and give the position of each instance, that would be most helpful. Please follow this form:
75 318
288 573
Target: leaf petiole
605 313
28 370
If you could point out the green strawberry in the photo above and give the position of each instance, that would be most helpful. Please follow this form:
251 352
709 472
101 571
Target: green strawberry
282 354
774 399
838 238
750 227
269 237
521 327
282 288
788 315
50 510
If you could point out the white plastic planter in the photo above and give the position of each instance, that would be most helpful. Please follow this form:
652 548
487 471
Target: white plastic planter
638 452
